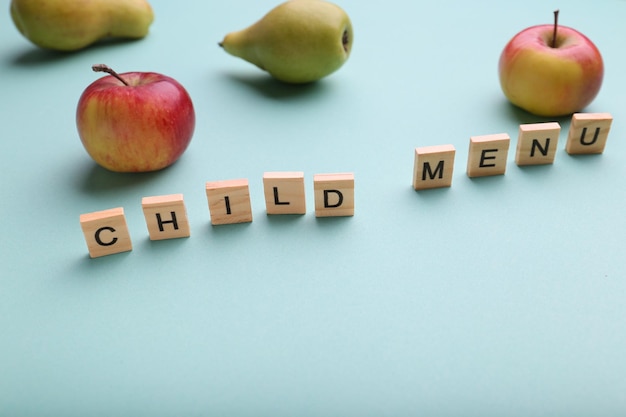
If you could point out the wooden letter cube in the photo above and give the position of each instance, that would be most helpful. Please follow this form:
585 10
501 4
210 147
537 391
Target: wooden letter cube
166 216
588 133
106 232
537 143
284 192
334 194
487 155
229 201
433 167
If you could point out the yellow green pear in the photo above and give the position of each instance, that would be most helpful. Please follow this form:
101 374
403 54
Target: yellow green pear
298 41
69 25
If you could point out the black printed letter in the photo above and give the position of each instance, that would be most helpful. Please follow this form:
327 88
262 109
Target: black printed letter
99 241
227 202
595 137
161 222
537 145
339 200
276 199
430 172
483 158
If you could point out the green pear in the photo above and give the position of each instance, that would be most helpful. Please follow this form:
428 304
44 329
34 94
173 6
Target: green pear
69 25
299 41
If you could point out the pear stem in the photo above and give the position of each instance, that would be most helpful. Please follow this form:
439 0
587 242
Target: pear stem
345 39
556 25
108 70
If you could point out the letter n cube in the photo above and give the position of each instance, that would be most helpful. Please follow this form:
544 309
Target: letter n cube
537 143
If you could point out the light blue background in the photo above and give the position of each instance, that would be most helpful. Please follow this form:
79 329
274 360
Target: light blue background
500 296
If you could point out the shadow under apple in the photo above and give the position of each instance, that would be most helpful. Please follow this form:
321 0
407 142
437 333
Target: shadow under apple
95 180
521 116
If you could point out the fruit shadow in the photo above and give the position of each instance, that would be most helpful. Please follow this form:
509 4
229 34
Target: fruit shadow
269 87
95 180
521 116
33 56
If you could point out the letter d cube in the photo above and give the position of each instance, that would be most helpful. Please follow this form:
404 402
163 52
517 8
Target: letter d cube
334 194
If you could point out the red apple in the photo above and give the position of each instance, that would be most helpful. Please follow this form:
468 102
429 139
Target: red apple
551 70
136 121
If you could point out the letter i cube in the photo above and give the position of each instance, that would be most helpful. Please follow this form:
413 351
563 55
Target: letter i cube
229 201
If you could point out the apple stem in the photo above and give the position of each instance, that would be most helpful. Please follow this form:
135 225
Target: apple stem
556 25
108 70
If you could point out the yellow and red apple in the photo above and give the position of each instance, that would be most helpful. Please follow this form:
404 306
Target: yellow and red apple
550 70
136 121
